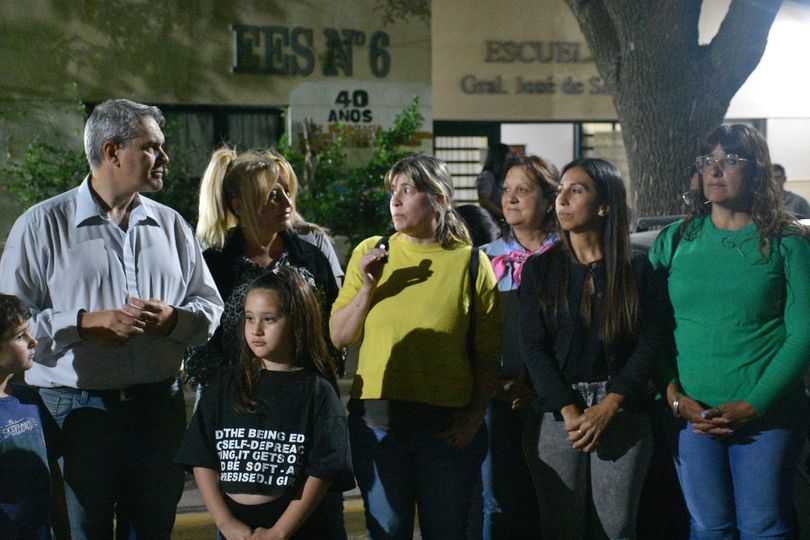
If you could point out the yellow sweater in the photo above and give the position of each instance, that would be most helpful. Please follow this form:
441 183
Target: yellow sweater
415 334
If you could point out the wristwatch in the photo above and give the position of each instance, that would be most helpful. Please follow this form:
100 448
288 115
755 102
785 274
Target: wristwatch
675 404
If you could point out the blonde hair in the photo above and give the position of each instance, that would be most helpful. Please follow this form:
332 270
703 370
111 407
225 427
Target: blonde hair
248 177
430 176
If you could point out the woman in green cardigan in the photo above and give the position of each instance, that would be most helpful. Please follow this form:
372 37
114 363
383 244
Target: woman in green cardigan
739 282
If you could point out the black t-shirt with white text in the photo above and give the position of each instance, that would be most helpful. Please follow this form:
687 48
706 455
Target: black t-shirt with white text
300 430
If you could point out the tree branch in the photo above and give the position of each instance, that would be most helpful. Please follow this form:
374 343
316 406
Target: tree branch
740 43
600 33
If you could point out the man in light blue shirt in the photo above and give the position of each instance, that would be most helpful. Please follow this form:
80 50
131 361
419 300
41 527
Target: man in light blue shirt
118 289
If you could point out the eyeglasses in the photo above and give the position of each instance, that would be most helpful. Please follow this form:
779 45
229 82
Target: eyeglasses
728 164
690 196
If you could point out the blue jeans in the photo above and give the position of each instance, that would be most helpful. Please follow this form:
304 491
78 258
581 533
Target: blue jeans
510 504
397 471
118 458
743 485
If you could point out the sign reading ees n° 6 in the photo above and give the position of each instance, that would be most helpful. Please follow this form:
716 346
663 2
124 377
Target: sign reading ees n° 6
280 50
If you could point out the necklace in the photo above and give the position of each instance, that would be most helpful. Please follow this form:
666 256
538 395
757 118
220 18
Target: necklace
733 242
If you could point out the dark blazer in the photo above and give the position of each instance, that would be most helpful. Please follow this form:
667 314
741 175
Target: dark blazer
546 335
224 263
225 268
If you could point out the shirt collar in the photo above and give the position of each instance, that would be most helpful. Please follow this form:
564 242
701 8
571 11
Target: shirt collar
88 208
512 244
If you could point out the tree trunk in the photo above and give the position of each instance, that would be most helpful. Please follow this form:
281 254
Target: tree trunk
668 90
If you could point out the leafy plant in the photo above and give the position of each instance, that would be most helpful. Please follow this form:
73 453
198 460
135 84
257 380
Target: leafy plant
44 172
345 195
393 10
349 198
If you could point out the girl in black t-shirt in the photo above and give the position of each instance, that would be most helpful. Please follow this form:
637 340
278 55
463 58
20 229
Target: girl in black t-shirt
269 436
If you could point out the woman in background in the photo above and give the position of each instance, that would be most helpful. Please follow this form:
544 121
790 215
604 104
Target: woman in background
480 224
245 220
491 179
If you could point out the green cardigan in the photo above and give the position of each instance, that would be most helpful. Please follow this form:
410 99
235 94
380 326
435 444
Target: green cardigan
742 322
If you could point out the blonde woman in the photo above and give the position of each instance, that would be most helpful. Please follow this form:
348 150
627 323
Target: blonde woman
246 212
419 396
247 204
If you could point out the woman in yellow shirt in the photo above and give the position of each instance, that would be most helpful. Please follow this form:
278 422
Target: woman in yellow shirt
420 392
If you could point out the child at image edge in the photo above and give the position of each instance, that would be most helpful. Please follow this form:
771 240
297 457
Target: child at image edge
30 479
270 436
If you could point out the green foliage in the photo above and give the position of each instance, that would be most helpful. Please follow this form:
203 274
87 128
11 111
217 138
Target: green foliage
44 172
393 10
351 199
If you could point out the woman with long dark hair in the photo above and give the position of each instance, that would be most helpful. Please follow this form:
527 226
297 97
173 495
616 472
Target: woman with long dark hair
589 333
739 284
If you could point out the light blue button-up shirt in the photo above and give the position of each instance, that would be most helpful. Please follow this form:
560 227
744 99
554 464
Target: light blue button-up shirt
65 254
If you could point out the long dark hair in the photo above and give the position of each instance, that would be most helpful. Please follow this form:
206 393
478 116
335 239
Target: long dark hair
620 313
495 162
480 224
763 195
299 304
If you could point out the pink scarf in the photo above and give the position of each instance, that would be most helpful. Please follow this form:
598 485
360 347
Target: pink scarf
515 260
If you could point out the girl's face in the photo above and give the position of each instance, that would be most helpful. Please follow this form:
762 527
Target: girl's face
411 211
267 330
522 201
577 207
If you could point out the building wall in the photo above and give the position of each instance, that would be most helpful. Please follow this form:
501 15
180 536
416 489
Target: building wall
476 60
185 52
522 61
249 53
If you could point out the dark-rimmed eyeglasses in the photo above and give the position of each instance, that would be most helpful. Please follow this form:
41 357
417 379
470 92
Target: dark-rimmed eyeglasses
728 164
691 196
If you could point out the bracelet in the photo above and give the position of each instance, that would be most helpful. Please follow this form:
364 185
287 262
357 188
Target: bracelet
79 317
676 404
